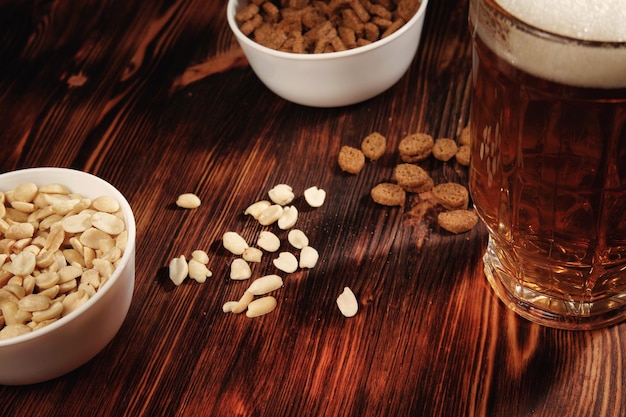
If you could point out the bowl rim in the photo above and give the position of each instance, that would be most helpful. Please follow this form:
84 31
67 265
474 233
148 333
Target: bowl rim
126 257
230 15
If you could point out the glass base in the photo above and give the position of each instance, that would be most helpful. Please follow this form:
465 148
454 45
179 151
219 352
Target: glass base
547 310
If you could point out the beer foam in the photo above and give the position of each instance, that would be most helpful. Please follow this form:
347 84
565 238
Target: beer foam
603 20
568 63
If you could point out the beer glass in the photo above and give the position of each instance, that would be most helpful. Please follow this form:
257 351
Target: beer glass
548 157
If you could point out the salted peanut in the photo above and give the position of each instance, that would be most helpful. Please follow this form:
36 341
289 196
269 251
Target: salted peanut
68 286
289 218
108 223
23 264
39 214
25 192
91 277
29 284
240 270
281 194
261 306
255 209
20 231
47 280
22 244
268 241
198 271
54 311
243 303
89 255
350 159
69 272
15 289
122 240
14 330
64 207
178 270
74 300
314 196
297 238
93 238
444 149
200 256
76 223
82 205
188 201
308 257
112 255
234 243
451 195
9 312
34 302
54 188
24 207
265 284
252 254
270 215
286 262
46 224
347 303
105 204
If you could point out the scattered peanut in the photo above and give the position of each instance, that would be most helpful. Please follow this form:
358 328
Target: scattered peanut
289 218
257 208
297 238
261 306
188 201
234 243
308 257
179 269
281 194
265 284
268 241
286 262
240 270
347 303
252 254
314 196
270 215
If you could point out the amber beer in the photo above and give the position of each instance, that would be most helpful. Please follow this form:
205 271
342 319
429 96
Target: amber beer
548 167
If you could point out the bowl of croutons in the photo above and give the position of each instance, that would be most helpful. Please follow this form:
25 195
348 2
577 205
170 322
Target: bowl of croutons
328 53
67 271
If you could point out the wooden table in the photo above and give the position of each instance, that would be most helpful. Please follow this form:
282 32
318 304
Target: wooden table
156 98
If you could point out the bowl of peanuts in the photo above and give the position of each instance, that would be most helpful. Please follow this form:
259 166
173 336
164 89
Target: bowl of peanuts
67 270
328 53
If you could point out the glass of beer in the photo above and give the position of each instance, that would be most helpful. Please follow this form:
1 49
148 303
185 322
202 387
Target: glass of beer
548 159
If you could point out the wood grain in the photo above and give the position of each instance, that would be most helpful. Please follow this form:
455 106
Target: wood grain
157 98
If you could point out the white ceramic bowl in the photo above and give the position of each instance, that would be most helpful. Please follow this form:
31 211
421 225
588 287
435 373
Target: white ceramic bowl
73 340
337 78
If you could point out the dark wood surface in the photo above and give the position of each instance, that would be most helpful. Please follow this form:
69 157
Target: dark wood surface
156 98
